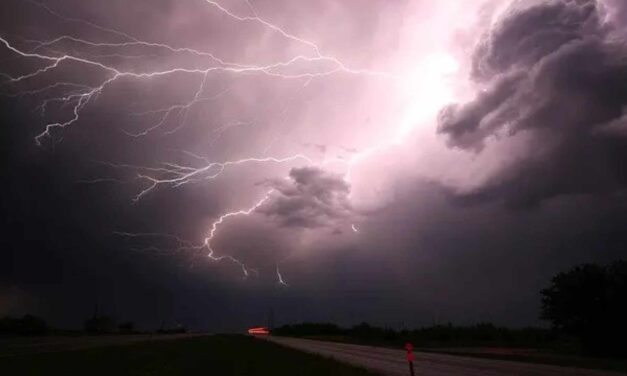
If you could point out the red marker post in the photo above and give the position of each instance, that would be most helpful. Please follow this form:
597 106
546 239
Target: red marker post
410 357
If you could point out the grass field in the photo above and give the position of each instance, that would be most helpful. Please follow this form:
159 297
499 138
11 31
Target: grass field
210 355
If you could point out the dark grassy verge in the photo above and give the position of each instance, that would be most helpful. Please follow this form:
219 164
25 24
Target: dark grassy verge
211 355
542 358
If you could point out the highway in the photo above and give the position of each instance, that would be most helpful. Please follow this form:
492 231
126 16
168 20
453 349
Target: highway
392 362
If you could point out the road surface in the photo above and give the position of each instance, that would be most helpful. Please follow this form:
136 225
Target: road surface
392 362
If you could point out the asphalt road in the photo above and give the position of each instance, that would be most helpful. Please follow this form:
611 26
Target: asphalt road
392 362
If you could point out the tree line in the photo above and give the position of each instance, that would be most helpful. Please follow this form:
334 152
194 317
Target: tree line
586 308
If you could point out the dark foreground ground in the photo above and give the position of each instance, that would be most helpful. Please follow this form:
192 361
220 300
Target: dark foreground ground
200 355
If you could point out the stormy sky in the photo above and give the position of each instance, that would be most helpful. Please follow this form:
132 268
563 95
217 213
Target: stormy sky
397 162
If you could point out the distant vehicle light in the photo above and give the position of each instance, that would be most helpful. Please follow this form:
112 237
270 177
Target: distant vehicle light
260 331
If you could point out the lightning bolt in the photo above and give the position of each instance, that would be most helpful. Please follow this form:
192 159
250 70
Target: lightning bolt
220 221
318 55
77 96
280 279
176 175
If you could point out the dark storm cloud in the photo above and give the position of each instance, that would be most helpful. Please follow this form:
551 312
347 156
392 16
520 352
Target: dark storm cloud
548 68
531 30
467 125
554 71
310 198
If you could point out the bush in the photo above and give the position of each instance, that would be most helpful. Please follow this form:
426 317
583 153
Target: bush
28 325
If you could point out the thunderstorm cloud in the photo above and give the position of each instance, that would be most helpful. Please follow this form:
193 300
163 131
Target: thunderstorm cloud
374 155
310 198
554 70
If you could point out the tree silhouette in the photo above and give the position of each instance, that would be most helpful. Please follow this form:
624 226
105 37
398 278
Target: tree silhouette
590 302
27 325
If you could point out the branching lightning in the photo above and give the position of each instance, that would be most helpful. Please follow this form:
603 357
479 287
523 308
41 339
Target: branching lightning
76 96
177 175
220 221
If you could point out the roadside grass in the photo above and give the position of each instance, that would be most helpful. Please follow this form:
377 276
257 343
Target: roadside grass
540 357
210 355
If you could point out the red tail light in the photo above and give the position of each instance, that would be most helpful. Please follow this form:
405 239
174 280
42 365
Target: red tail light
258 331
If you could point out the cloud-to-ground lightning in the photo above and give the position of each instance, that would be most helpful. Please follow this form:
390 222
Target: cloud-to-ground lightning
76 96
279 276
220 221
